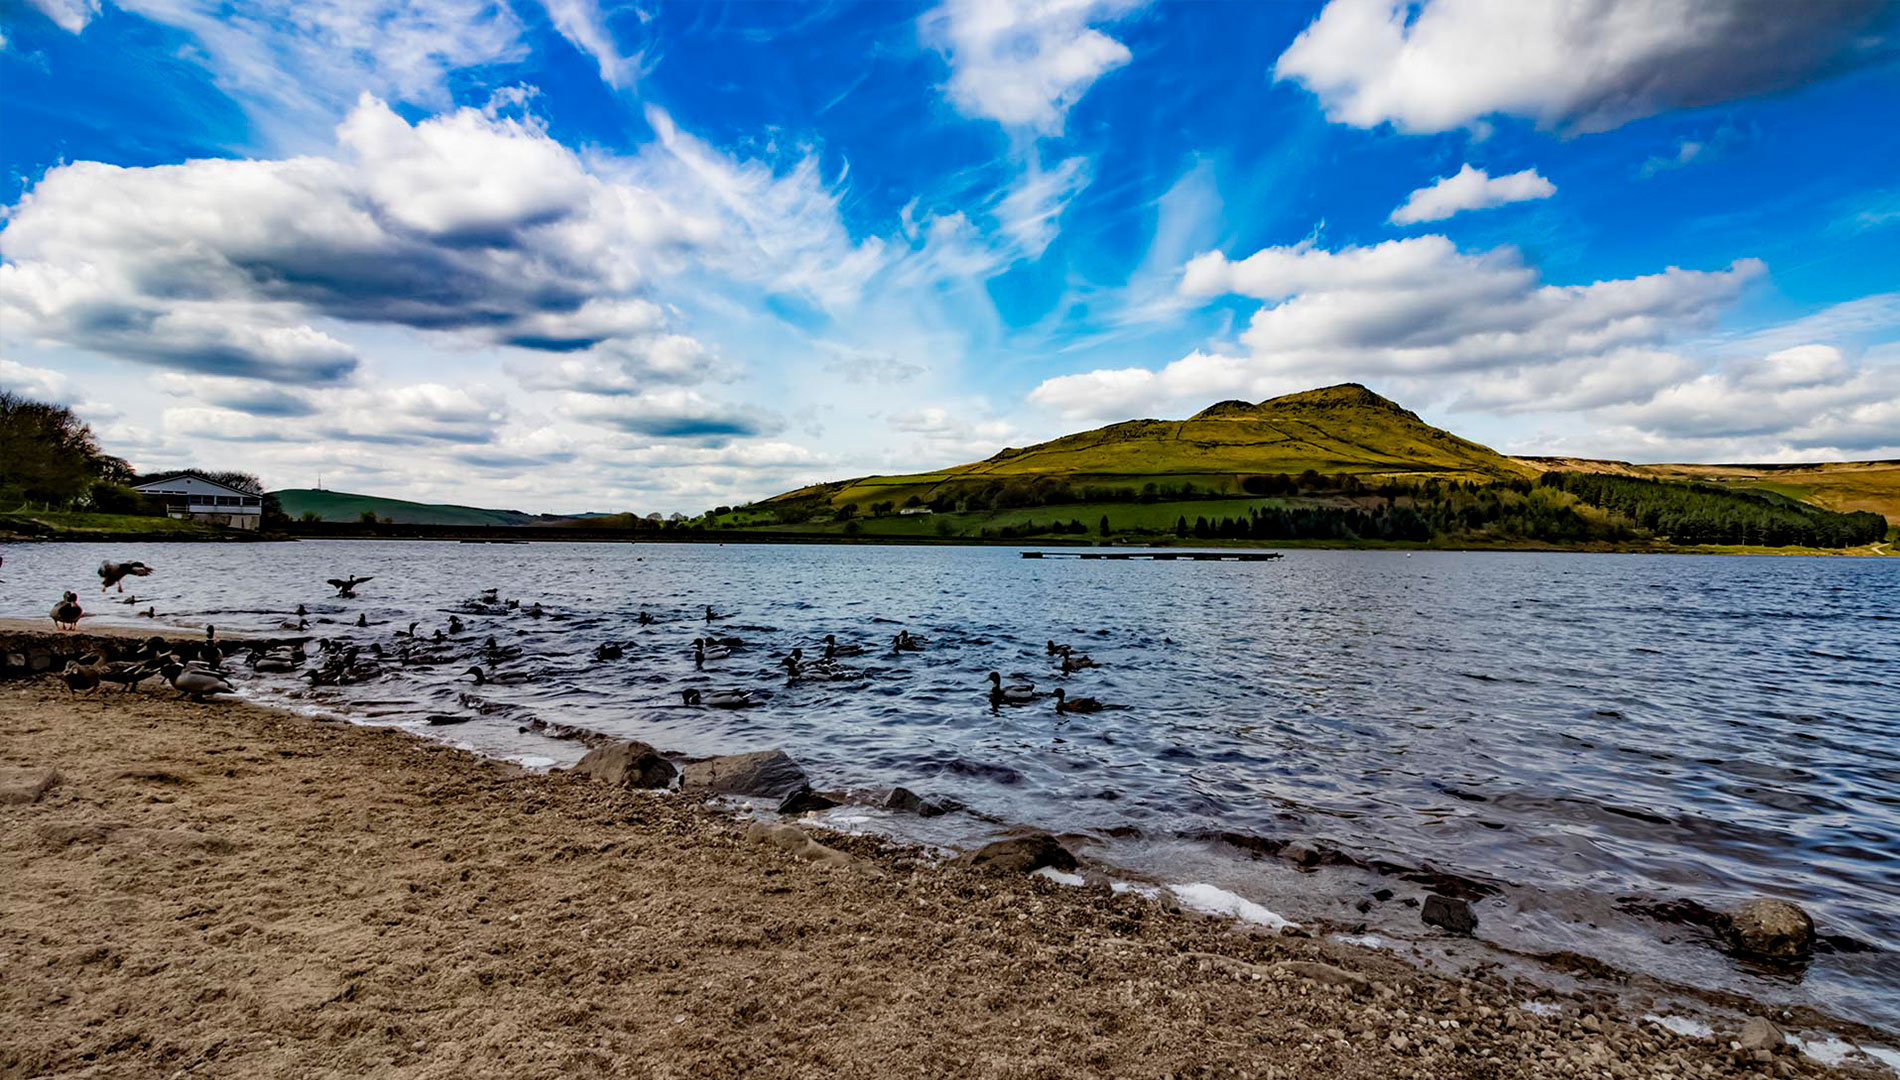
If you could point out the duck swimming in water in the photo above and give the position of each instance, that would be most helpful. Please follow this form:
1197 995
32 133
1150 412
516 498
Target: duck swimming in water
702 652
482 678
834 650
719 699
1013 694
1067 704
67 613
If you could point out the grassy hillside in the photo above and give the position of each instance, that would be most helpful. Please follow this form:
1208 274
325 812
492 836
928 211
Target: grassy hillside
1842 486
344 506
1344 429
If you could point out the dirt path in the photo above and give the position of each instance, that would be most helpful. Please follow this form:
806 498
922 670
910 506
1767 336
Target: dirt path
228 891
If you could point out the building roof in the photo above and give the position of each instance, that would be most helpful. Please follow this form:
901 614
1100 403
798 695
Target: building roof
194 474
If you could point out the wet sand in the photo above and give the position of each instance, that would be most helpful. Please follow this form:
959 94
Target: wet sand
225 890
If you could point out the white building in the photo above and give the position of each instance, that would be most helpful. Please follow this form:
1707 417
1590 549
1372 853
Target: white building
192 496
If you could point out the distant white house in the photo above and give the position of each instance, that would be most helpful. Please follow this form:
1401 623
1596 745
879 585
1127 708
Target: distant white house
913 511
191 496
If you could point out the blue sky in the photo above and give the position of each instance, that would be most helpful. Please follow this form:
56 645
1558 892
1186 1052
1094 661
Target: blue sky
573 254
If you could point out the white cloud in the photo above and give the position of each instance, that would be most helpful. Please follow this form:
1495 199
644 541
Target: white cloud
1471 189
1587 65
1030 211
1807 401
69 15
40 384
1416 312
1025 63
297 65
581 23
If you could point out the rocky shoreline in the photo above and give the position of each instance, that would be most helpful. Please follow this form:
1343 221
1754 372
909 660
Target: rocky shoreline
227 890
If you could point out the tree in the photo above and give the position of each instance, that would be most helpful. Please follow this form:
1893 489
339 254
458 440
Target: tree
368 517
847 511
1104 524
47 454
852 528
1181 527
310 517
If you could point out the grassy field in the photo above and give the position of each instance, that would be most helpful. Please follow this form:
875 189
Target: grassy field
344 506
70 524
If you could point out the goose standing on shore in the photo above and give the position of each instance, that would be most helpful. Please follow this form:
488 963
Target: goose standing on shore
67 613
114 573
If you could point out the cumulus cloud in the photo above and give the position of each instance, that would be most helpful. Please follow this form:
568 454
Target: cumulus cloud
40 384
1025 63
1416 310
1470 189
1586 66
1804 400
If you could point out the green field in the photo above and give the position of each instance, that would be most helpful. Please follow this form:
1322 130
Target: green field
344 506
73 524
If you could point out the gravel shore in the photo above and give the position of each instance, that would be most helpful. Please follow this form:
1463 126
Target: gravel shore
225 890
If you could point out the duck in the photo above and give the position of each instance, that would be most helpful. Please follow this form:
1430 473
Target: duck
149 613
209 651
1067 704
194 683
67 613
455 625
1013 694
905 641
409 633
609 651
719 699
79 677
346 586
114 573
300 612
129 600
701 653
300 624
127 675
833 649
362 620
646 618
483 678
1073 662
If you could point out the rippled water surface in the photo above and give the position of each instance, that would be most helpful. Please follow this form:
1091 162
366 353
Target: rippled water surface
1575 728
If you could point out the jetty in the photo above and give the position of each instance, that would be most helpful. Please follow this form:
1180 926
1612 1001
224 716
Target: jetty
1159 556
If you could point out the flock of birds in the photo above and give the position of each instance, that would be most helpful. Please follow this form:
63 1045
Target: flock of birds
197 671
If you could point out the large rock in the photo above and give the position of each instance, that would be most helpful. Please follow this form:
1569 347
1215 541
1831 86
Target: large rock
796 841
904 800
1771 930
769 774
806 801
1450 914
627 765
1759 1033
1022 855
26 785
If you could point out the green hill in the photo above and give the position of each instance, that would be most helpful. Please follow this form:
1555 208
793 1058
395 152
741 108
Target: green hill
345 506
1345 429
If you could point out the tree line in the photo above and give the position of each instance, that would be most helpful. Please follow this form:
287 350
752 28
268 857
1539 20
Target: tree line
1705 514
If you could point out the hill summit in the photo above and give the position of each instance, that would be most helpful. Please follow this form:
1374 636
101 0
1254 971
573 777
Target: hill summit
1332 430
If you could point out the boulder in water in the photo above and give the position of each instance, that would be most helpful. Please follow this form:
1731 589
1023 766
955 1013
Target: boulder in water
1450 914
768 774
904 800
1022 855
1771 930
627 765
805 801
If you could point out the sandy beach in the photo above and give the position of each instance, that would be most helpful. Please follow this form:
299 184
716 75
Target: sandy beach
226 890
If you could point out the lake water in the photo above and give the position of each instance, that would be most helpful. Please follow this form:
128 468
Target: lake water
1572 730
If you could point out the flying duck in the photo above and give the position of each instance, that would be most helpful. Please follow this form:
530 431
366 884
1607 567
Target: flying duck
346 586
112 573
